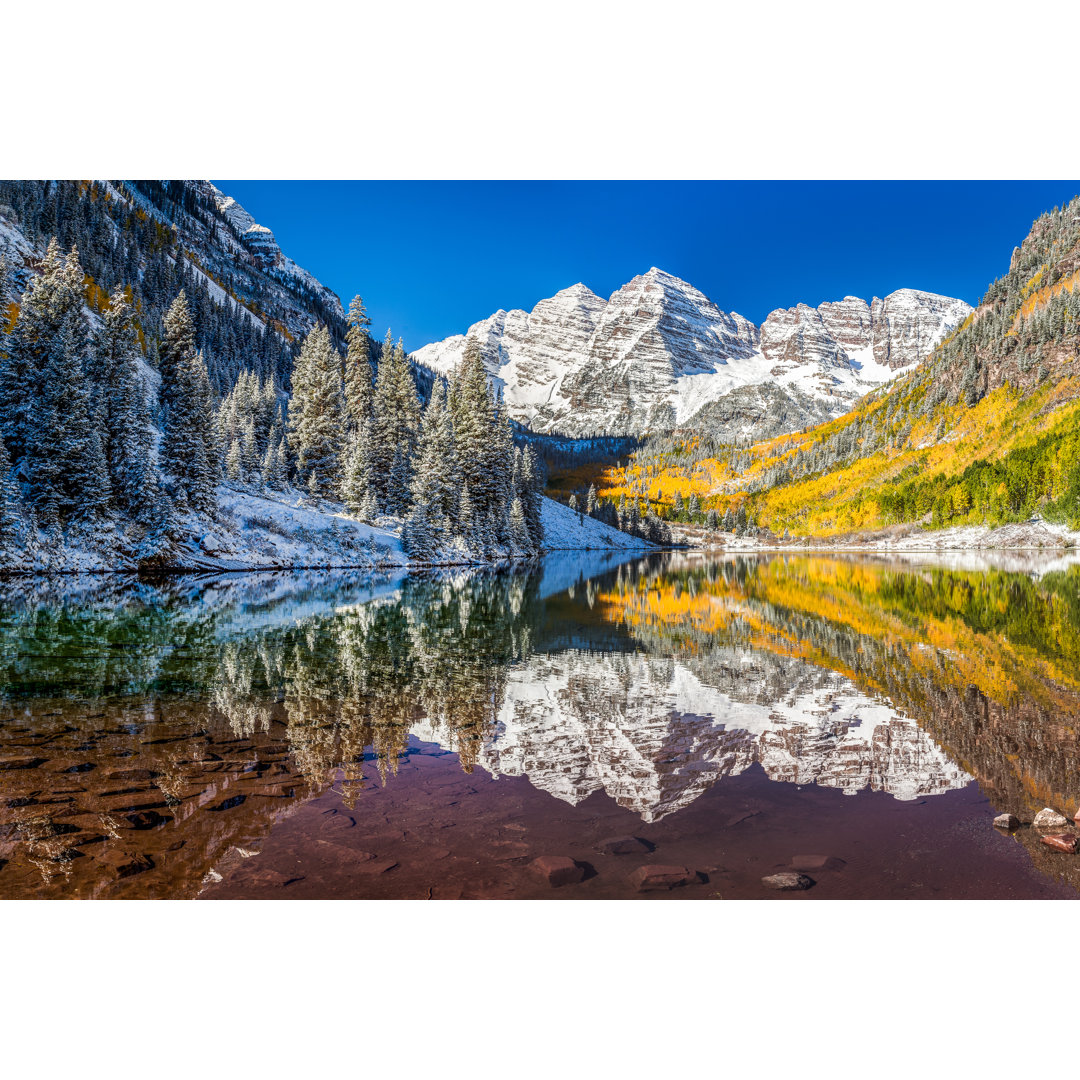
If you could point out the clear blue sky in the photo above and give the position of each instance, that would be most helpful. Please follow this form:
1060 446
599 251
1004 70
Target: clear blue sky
432 257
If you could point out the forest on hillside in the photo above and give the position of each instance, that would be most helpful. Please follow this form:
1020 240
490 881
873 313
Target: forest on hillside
983 432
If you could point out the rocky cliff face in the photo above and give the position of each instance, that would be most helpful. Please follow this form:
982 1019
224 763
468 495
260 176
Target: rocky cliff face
658 352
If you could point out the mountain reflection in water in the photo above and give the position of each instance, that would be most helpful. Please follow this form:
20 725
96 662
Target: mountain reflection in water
150 729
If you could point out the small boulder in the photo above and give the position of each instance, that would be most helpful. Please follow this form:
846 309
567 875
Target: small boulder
1049 819
787 882
817 862
1076 816
662 877
1062 842
1006 821
624 845
557 870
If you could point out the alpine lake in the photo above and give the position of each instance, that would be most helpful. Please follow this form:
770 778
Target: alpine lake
675 726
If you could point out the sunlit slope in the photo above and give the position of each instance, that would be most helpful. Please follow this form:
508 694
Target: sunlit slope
984 431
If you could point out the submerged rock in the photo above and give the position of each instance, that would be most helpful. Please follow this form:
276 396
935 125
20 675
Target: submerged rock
1062 842
1006 821
787 882
1048 818
661 877
624 845
817 862
557 870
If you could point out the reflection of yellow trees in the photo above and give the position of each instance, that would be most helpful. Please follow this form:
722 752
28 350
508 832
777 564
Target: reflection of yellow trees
1000 633
988 661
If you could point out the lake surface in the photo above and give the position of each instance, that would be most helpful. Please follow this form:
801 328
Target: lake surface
312 735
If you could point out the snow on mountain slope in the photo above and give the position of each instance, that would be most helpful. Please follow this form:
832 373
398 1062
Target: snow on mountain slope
261 244
566 530
659 351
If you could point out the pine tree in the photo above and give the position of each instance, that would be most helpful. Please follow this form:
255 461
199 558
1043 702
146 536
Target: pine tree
358 490
395 423
127 437
188 437
316 415
519 534
433 480
234 462
177 346
63 459
359 393
530 492
11 510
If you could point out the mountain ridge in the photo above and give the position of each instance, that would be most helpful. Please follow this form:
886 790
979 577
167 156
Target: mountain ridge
658 351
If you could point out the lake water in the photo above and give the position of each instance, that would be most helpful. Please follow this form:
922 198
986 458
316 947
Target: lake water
325 735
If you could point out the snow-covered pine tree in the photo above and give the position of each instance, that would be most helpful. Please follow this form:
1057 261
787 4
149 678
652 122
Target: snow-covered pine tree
12 523
519 534
63 460
396 420
316 415
177 346
127 437
357 493
359 392
35 330
432 486
483 447
190 472
530 492
234 463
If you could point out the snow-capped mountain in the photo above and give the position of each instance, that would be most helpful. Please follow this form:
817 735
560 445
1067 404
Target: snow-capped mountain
658 351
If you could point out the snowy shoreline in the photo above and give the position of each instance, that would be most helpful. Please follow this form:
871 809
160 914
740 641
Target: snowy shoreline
265 531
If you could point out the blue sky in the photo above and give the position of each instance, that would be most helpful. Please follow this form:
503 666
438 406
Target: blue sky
431 257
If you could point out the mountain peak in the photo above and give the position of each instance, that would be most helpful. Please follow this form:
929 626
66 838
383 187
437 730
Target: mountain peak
658 351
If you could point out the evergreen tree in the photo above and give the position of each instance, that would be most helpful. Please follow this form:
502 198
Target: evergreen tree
128 443
187 440
519 534
433 480
316 414
358 490
359 393
177 347
395 423
12 523
234 462
62 455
